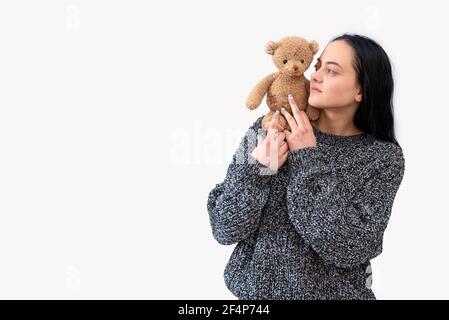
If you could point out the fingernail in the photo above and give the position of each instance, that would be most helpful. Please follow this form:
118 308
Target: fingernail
282 109
290 96
277 112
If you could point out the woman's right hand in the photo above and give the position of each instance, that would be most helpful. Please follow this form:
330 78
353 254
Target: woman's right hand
273 150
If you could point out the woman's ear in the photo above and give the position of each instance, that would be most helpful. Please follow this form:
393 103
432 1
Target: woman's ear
358 96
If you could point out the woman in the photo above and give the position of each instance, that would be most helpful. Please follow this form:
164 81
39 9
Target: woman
309 207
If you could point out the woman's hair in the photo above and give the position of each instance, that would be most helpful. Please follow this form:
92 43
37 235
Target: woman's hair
375 112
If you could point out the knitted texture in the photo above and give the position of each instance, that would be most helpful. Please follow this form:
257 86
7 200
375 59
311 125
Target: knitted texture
309 229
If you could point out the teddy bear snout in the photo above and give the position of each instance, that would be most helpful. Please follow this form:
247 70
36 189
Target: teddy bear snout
295 67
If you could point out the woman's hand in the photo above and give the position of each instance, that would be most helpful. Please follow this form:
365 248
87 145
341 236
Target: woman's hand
273 150
302 135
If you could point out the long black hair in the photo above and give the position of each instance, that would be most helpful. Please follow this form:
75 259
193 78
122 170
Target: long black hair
374 114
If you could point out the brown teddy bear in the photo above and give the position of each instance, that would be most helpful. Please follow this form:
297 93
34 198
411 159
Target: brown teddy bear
292 56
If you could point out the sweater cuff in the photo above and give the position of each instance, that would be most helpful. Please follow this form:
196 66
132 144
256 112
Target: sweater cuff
255 171
308 160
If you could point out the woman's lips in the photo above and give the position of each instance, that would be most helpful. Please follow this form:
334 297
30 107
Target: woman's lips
316 90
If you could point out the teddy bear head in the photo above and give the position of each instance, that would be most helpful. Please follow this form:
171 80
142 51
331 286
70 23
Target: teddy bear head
292 55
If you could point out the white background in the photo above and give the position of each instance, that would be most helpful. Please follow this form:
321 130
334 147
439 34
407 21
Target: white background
118 117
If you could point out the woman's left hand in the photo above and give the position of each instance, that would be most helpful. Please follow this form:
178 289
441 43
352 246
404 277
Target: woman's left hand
302 135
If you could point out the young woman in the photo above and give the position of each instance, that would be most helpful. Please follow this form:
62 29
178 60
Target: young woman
308 207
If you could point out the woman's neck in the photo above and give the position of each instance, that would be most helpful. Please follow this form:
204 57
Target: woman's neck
336 124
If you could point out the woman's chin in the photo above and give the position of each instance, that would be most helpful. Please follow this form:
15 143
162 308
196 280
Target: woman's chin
313 101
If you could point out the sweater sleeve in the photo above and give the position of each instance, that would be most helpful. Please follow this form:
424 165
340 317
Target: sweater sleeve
343 211
235 204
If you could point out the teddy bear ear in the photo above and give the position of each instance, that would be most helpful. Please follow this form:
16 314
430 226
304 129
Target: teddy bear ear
313 45
271 47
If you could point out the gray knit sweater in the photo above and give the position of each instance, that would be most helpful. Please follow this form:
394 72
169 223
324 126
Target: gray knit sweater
309 229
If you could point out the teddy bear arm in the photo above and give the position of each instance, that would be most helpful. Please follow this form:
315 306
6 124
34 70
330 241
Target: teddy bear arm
307 84
312 112
258 92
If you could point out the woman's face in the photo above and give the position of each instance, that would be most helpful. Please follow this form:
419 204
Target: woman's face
335 77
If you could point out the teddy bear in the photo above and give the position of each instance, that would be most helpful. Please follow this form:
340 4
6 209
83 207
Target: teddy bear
292 56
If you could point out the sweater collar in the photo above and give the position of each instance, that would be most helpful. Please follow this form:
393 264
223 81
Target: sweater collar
336 140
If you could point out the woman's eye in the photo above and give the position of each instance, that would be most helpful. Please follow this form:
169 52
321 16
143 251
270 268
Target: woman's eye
285 61
316 67
330 71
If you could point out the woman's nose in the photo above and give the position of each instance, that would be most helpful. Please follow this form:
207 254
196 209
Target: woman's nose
315 77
